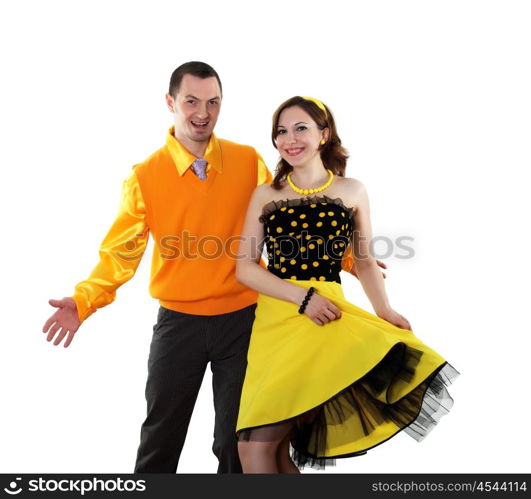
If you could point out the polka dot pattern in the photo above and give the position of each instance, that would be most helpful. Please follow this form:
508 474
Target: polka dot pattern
308 237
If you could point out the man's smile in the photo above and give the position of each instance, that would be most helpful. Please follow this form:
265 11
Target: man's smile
199 124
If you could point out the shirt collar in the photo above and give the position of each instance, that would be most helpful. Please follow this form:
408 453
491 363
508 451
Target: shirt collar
183 158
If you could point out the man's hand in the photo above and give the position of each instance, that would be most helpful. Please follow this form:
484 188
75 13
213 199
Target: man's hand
380 264
65 319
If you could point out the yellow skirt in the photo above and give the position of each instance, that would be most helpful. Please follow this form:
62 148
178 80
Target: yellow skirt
362 379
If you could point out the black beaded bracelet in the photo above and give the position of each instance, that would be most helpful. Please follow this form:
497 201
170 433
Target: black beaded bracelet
306 300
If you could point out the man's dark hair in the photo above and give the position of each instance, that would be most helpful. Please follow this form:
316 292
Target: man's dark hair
194 68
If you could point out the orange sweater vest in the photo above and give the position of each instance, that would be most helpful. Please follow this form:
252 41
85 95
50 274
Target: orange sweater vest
196 226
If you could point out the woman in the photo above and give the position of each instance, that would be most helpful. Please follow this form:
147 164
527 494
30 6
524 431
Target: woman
324 375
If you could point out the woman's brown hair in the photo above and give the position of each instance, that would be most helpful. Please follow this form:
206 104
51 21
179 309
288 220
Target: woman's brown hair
333 155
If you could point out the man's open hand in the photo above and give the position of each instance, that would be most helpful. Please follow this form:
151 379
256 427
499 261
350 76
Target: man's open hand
65 321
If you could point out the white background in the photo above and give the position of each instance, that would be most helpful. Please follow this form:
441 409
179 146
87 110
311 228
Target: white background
432 101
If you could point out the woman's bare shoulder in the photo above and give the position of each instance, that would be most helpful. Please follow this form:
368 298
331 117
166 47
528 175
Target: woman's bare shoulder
265 194
350 182
263 191
268 192
351 190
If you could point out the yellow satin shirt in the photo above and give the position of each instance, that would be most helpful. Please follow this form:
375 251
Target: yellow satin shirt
130 229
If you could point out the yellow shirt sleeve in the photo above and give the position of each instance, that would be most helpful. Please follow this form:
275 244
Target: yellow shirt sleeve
264 175
347 263
120 252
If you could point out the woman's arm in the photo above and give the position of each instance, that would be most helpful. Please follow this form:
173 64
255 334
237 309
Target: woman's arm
366 266
251 274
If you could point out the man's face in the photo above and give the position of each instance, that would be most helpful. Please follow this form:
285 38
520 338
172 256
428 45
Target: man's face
195 108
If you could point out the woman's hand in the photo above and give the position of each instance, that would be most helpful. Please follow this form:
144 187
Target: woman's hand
320 310
395 318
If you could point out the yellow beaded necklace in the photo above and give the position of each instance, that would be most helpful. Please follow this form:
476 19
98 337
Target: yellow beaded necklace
311 191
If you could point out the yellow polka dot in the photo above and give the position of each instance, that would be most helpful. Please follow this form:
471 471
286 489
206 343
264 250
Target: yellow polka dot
294 277
322 214
331 213
294 224
342 213
319 224
277 265
282 259
272 217
313 279
276 245
325 257
271 238
322 278
293 262
279 229
311 246
341 252
277 252
305 225
313 205
268 229
291 233
334 223
319 241
335 246
283 208
315 264
330 236
302 215
291 210
308 237
324 203
283 269
303 249
338 232
298 236
341 244
304 266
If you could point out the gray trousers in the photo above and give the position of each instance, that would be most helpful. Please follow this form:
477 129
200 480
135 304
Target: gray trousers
181 348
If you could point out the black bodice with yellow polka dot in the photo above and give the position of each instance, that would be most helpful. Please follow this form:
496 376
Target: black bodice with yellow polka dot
307 237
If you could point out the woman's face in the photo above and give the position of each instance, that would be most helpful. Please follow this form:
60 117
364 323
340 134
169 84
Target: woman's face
298 137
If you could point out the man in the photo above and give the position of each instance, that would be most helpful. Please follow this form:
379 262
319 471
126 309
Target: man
192 196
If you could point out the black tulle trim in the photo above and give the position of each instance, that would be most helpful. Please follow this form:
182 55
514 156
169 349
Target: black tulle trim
416 413
273 206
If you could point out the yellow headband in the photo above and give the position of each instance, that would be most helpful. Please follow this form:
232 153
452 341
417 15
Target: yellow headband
318 103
